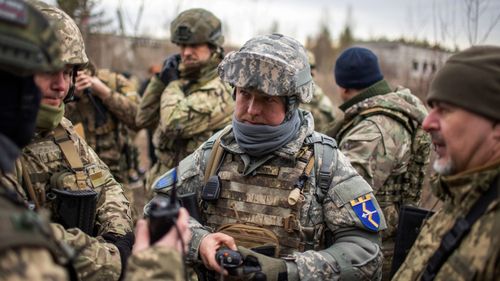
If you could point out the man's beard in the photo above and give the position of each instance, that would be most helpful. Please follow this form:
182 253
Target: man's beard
444 169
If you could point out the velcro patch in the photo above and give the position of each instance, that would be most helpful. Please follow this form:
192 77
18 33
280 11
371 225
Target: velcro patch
166 180
366 211
13 11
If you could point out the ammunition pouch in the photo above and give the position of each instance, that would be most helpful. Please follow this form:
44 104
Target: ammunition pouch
260 240
74 208
190 202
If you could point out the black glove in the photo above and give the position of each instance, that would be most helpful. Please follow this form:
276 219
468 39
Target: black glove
260 267
124 245
170 70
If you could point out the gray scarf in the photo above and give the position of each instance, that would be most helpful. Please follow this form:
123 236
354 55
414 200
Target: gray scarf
259 140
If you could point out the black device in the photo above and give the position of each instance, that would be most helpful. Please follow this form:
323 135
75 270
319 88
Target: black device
409 225
228 258
163 214
74 208
211 190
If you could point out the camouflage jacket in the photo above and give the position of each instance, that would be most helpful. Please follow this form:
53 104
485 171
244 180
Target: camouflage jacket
477 256
322 110
27 251
155 263
43 158
184 114
191 113
335 212
109 124
22 241
379 146
32 249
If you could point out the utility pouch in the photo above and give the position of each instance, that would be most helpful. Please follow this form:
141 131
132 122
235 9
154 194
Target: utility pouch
190 202
74 208
258 239
410 222
211 190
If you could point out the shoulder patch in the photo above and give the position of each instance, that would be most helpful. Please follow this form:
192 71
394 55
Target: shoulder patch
367 212
165 180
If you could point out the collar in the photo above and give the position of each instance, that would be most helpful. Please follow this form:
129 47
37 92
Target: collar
458 188
379 88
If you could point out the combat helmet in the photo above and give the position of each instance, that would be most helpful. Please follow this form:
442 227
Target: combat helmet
196 26
71 39
28 43
276 65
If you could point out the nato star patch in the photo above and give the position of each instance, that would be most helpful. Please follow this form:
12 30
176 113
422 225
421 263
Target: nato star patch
366 211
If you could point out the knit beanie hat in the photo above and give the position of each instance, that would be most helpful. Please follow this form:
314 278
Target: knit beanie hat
471 80
357 68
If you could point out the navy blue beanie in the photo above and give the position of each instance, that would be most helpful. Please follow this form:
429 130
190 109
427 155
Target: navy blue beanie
357 68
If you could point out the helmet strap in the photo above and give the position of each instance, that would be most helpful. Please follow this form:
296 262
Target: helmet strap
71 92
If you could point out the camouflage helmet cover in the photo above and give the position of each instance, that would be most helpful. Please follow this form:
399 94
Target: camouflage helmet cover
28 43
275 64
73 47
196 26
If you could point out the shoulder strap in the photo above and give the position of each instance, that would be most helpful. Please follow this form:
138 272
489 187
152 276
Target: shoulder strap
216 154
324 151
405 122
67 146
453 238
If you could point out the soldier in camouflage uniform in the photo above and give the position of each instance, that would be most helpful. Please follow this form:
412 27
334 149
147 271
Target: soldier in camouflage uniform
105 106
59 161
286 190
29 250
382 136
187 102
461 241
28 45
320 106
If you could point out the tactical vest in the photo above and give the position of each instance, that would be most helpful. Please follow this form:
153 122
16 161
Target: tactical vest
63 168
261 199
22 228
411 182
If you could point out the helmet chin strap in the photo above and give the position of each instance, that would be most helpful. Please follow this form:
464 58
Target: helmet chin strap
71 92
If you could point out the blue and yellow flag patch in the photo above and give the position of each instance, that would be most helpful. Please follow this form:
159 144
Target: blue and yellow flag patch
166 180
366 211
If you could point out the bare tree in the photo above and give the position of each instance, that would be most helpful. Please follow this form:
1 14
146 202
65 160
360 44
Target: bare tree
475 13
479 18
86 13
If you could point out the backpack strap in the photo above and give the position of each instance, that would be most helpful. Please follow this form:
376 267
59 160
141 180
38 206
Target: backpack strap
324 151
453 238
405 122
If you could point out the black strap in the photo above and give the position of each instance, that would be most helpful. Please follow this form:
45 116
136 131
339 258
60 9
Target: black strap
324 149
452 239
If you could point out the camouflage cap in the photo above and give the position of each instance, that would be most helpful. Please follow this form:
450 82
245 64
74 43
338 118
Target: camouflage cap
73 47
196 26
28 43
275 64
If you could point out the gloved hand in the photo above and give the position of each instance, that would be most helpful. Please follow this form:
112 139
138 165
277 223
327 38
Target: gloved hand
124 245
260 267
170 69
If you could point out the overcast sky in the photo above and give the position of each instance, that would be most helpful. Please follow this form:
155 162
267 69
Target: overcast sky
436 20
